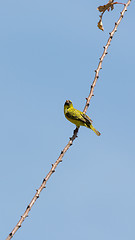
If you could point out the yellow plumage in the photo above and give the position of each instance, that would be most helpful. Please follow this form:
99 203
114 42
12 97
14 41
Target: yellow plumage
77 117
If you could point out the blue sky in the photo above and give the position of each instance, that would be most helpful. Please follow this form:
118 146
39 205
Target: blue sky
48 53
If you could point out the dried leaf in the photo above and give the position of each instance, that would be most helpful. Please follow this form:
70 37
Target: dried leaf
105 7
100 25
102 9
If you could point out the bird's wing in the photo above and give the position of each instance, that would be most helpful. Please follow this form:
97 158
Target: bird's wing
78 115
88 120
75 115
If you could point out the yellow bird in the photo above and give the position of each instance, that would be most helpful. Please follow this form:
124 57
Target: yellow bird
77 117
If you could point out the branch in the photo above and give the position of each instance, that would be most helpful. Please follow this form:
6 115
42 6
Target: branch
43 185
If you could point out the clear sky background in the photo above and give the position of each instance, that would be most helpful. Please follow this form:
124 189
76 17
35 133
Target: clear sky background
48 53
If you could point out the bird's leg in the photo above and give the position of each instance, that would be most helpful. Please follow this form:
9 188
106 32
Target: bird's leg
76 130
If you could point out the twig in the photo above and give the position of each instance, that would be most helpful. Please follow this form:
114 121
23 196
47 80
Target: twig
43 185
103 55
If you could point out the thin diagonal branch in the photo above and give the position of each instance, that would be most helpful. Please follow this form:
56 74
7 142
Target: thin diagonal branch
43 185
103 55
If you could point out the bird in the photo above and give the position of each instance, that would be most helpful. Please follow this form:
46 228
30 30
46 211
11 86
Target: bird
77 117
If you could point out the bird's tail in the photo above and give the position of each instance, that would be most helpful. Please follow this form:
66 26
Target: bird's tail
94 130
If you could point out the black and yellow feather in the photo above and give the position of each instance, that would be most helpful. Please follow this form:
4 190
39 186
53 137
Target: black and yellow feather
77 117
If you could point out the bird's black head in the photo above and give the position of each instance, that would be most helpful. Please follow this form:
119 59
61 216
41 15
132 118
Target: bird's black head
68 103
